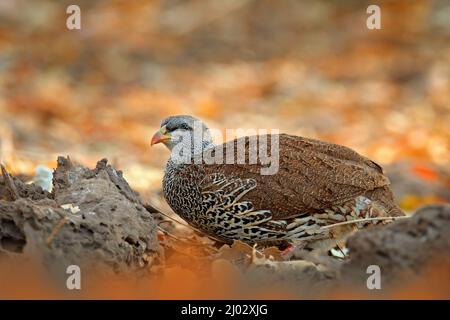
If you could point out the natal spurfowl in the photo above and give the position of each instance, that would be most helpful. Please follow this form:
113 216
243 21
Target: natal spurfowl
317 184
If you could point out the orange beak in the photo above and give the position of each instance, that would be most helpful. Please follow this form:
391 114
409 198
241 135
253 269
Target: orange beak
160 136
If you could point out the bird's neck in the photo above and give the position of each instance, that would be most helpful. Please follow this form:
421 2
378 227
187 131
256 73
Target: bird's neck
185 153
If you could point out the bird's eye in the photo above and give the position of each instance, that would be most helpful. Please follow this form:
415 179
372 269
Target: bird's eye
184 126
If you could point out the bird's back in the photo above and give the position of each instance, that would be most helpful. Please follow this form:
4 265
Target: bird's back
316 184
312 175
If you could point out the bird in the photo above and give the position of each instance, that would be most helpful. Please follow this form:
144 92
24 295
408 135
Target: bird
320 194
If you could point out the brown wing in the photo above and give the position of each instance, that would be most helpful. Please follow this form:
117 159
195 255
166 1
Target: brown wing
312 175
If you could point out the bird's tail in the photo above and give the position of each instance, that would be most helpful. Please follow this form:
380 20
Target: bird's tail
385 198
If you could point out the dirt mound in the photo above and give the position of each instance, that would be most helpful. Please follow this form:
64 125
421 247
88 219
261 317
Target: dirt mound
91 218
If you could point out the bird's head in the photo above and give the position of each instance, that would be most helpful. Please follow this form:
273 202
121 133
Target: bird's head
185 130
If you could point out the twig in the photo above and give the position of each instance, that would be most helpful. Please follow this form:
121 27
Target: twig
169 234
55 230
362 220
177 221
9 184
174 220
188 242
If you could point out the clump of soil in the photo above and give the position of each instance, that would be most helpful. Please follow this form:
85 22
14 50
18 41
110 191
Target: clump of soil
402 249
92 218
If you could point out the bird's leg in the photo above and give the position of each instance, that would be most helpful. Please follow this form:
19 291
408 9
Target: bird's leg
287 250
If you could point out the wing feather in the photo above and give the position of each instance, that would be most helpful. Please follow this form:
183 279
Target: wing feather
312 175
